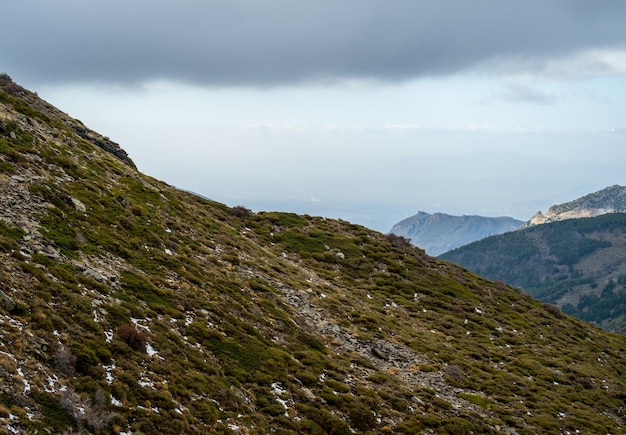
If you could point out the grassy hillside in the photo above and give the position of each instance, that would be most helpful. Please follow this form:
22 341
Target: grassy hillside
127 305
577 264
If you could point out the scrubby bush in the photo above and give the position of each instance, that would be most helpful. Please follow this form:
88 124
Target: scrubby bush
553 309
65 361
137 340
454 372
241 211
398 241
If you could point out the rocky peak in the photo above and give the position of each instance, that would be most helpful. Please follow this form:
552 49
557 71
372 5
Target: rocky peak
538 218
609 200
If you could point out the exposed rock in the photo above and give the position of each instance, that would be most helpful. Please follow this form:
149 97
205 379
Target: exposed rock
609 200
103 142
79 205
6 302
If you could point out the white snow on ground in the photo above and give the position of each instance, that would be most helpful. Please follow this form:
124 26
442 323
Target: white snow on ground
109 372
278 390
145 381
52 381
16 323
150 350
189 319
115 402
108 335
138 323
26 384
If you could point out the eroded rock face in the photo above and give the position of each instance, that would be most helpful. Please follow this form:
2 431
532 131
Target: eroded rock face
6 302
609 200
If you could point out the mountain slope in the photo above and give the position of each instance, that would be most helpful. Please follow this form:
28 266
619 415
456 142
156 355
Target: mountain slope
577 264
127 305
438 233
609 200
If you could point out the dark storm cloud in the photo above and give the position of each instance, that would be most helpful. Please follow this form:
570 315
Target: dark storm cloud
271 42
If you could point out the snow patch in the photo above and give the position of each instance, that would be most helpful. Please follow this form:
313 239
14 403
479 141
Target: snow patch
278 390
26 384
109 373
116 402
52 381
138 323
150 350
189 319
108 336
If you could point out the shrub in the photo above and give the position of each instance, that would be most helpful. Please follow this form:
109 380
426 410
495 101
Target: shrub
398 241
552 309
241 211
65 361
137 340
454 372
362 417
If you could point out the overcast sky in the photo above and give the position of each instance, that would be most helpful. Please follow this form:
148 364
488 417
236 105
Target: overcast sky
365 110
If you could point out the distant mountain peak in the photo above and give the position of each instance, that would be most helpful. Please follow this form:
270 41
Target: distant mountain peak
439 232
609 200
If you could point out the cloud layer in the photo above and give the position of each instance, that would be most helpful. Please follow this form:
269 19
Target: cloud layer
279 42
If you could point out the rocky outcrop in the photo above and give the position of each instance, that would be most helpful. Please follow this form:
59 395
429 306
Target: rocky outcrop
47 111
6 302
101 141
609 200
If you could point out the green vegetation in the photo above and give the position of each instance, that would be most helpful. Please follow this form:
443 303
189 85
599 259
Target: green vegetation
141 308
553 262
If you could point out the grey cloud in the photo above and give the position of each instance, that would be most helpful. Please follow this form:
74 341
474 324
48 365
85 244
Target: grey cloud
274 42
515 92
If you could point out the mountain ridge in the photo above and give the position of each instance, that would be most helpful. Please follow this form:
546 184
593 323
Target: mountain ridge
129 306
439 232
611 199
